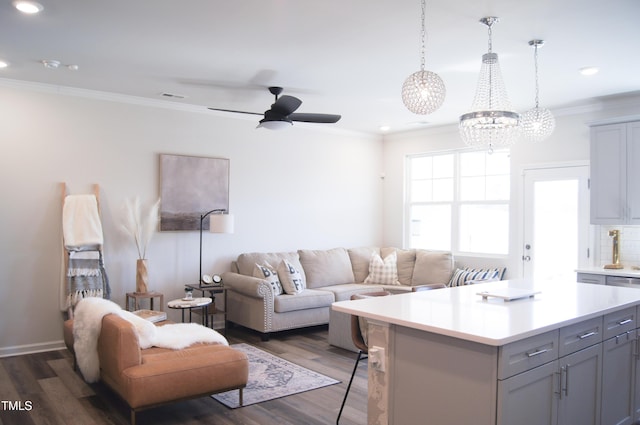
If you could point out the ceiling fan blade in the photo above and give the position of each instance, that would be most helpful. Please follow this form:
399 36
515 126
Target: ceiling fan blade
236 112
317 118
285 105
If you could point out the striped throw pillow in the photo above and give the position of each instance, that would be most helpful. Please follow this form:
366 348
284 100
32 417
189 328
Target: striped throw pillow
468 275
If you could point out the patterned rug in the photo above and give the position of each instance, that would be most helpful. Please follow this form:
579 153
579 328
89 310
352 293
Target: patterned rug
271 377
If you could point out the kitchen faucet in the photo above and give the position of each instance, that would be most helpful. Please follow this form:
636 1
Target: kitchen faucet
615 234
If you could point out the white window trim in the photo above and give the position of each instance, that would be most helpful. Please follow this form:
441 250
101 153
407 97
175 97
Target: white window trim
455 204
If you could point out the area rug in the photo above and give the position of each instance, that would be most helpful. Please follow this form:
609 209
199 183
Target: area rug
271 377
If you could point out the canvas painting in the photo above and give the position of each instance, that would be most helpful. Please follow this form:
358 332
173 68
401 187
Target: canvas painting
189 187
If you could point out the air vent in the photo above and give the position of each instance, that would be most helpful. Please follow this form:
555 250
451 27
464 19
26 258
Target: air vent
175 96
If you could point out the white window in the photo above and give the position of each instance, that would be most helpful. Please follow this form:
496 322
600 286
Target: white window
459 201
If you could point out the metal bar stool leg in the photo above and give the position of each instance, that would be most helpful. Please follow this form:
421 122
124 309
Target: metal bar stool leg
361 356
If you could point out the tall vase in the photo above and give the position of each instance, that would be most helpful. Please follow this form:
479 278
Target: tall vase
142 277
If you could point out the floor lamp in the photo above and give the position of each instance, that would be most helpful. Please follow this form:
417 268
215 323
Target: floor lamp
218 223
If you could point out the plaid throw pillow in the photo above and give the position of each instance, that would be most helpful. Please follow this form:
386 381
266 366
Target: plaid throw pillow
268 273
383 272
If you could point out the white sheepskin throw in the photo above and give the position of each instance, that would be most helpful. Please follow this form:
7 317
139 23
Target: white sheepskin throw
87 324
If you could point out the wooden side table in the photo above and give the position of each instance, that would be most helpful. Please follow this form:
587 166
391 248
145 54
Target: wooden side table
213 309
137 296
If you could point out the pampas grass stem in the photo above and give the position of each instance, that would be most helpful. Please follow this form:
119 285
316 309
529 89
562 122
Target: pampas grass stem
138 225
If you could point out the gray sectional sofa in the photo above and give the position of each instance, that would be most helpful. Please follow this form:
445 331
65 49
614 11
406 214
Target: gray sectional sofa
328 276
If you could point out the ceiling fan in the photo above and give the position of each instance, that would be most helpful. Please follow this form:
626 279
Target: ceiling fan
282 114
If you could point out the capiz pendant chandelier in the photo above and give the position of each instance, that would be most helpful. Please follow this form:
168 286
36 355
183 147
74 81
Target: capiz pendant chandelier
491 122
423 91
537 123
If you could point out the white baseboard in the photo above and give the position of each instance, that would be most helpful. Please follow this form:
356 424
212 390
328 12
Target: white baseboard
19 350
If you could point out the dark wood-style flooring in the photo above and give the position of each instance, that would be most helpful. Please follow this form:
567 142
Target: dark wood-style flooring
59 396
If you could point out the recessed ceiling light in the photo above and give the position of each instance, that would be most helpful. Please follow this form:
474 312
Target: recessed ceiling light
50 63
385 128
589 70
29 7
3 64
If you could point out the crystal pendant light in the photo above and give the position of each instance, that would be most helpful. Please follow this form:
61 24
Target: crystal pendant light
423 91
491 122
537 123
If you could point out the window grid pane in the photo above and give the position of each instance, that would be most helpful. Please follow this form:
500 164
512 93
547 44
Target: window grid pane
471 189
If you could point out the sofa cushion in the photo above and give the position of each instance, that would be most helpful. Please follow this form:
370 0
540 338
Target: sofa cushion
360 258
432 267
309 298
344 292
267 272
468 275
383 272
247 261
326 267
406 262
290 278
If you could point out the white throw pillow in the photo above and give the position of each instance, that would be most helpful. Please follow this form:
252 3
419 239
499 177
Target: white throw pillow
383 272
290 278
267 272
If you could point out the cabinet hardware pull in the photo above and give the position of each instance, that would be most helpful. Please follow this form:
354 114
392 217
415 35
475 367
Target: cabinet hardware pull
587 335
537 353
624 322
566 380
559 392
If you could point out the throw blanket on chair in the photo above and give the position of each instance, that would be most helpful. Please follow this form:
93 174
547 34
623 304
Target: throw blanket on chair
87 324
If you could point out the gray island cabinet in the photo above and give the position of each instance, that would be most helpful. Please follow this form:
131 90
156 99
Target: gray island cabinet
566 355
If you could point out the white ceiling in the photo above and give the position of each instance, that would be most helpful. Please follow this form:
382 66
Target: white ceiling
347 57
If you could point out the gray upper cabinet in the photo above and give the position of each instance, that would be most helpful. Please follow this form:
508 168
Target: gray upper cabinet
615 173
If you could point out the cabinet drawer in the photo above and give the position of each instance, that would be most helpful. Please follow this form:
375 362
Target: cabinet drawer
523 355
629 282
581 335
598 279
619 321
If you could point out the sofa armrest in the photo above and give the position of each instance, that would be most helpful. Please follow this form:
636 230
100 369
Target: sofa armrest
247 285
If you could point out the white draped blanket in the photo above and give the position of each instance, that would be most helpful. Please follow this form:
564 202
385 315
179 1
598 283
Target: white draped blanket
81 225
87 324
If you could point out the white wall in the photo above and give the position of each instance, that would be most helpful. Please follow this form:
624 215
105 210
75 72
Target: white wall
569 143
306 187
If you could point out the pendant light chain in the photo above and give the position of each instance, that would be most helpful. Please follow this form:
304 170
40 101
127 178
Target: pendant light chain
423 35
423 91
537 123
535 60
490 36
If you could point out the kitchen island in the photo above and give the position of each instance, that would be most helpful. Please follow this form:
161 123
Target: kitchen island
566 354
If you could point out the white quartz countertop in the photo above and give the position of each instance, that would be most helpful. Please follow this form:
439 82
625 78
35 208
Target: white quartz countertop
461 313
626 272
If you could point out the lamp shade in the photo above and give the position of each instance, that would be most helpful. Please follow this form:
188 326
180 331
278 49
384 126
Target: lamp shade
221 223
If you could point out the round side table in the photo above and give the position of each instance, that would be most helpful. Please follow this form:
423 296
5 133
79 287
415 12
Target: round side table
184 304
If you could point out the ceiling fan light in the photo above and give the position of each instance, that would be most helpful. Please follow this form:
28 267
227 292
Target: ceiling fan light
272 124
